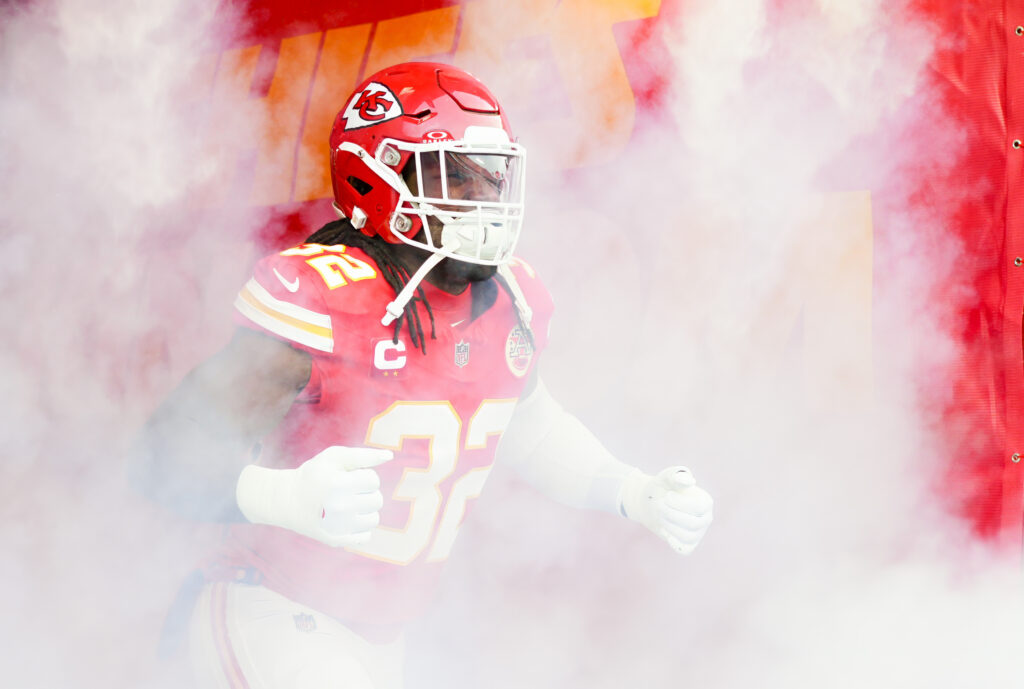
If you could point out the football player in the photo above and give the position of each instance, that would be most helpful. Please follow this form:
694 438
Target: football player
351 422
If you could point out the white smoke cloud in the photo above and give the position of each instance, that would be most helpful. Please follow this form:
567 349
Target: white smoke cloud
757 302
106 258
689 329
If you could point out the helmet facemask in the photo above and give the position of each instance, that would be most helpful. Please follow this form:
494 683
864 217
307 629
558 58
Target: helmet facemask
474 188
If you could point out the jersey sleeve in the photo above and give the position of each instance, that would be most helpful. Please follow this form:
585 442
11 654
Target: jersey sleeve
284 298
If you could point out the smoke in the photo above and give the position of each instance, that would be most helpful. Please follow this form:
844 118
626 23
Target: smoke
743 286
107 255
752 291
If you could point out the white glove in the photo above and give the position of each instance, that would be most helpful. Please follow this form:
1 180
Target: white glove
669 504
333 497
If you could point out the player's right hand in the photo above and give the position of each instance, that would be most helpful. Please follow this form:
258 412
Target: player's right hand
333 497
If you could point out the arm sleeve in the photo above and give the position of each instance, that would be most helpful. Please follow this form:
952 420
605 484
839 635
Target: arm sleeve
552 450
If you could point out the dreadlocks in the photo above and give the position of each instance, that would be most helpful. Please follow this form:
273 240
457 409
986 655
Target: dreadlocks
484 293
342 232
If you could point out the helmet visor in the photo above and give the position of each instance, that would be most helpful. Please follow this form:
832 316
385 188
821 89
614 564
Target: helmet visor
470 177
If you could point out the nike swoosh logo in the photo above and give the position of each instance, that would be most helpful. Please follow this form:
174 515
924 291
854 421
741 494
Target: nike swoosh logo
457 322
292 286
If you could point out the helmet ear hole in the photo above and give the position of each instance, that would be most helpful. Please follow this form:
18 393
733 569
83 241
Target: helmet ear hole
362 188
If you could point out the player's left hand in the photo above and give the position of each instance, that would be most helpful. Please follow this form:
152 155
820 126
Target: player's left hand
669 504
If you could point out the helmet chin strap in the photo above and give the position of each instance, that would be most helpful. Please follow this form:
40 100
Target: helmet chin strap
395 308
469 236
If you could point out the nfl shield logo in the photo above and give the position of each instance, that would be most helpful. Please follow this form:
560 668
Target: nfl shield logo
304 623
461 354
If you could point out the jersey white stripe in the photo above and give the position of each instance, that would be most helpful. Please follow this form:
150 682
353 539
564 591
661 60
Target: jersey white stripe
289 332
287 308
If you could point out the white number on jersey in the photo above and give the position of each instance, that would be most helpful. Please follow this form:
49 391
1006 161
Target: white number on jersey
439 423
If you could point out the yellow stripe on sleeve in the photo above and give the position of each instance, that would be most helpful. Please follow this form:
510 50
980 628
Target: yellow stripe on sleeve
285 319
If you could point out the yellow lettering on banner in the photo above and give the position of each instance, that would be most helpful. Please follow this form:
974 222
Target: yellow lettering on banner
234 75
283 107
595 77
580 34
335 78
415 36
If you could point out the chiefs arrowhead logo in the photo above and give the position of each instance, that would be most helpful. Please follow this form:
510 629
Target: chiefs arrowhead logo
373 105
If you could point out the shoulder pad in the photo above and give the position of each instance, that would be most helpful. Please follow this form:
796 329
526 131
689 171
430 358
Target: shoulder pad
521 268
292 294
533 288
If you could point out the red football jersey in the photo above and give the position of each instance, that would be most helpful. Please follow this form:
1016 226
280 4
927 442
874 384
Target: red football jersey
442 413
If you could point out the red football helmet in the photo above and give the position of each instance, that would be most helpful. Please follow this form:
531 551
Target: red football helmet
437 129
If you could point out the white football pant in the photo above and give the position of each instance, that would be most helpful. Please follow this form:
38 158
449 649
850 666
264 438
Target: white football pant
249 637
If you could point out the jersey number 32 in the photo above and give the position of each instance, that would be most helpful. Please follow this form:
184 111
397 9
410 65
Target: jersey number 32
440 424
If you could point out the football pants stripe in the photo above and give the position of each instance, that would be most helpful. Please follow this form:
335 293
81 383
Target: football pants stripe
222 638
